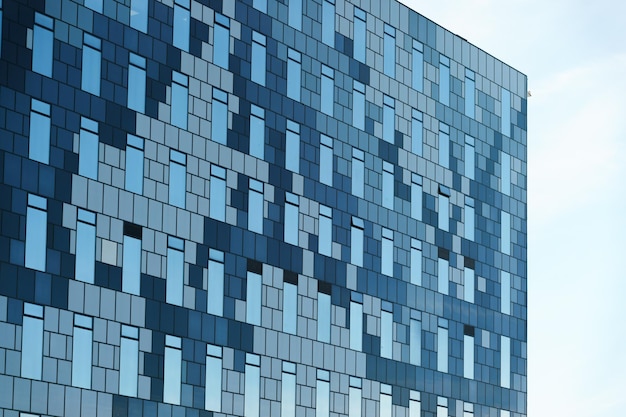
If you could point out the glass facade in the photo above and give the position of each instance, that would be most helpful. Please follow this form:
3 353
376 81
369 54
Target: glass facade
258 208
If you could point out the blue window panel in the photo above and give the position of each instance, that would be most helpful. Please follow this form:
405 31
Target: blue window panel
217 193
468 285
219 116
260 5
129 361
253 298
178 178
416 262
134 164
88 149
386 334
252 383
322 394
389 58
505 178
175 271
131 265
172 370
36 228
137 83
416 197
417 132
325 240
95 5
442 407
442 349
415 405
327 95
358 173
288 390
295 14
505 292
358 105
39 138
389 119
291 219
388 188
417 61
326 160
385 401
506 113
85 246
221 40
328 22
470 157
257 132
258 61
139 15
294 74
182 20
468 357
443 280
355 397
386 259
505 239
415 342
179 100
468 224
213 379
255 206
505 362
360 34
356 242
444 145
356 326
290 308
323 317
92 64
292 147
82 352
470 94
215 289
32 342
444 80
43 48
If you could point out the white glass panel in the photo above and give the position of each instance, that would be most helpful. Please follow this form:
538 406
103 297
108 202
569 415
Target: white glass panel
385 405
288 394
253 299
505 362
354 399
415 408
356 326
386 334
172 375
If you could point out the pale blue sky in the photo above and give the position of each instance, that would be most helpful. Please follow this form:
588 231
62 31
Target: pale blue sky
574 54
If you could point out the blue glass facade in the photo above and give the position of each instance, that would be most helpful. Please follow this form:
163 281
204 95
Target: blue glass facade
258 208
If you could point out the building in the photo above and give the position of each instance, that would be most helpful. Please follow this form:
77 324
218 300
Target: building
258 208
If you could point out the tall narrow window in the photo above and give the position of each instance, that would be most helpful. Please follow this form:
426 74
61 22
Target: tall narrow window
444 145
134 164
290 302
506 113
442 346
322 397
292 147
468 410
32 341
468 351
39 138
505 292
257 132
253 298
389 61
36 231
258 60
356 241
415 405
358 105
360 34
129 361
182 20
323 311
505 362
294 74
179 100
386 259
172 370
356 322
221 40
175 270
92 64
417 132
217 193
386 331
213 379
215 289
443 280
388 188
327 95
255 206
505 177
178 178
444 80
417 73
416 262
131 258
288 392
415 342
95 5
444 208
219 116
328 22
295 14
389 119
385 401
85 246
468 284
291 218
81 351
325 240
470 92
260 5
137 83
252 385
358 172
139 15
355 397
43 40
442 407
470 157
505 238
88 148
326 160
469 214
416 196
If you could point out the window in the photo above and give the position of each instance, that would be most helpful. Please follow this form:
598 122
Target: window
39 138
385 401
175 270
290 302
95 5
255 206
358 172
253 298
257 132
129 361
213 379
292 147
389 119
504 413
139 15
134 164
444 80
288 393
260 5
417 132
416 197
131 258
325 240
470 92
172 370
137 83
181 24
356 241
43 44
505 176
0 27
291 218
468 351
88 149
468 284
388 187
470 157
327 95
328 22
36 232
356 322
215 289
32 341
179 100
219 116
505 292
386 260
326 160
468 409
294 74
322 390
389 63
221 40
443 281
360 34
505 362
178 178
469 218
295 14
252 385
415 342
217 194
444 145
85 246
442 346
81 351
323 311
505 239
258 60
415 406
355 397
92 63
416 262
417 66
358 105
444 208
386 331
442 407
506 113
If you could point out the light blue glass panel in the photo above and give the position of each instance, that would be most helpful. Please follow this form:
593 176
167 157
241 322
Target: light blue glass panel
470 94
386 334
326 160
257 132
387 253
356 326
415 342
0 27
43 44
358 105
470 157
505 240
215 290
354 402
181 27
258 60
85 250
291 221
253 298
325 231
360 34
255 206
416 262
506 174
323 317
505 362
442 410
322 399
327 99
444 146
134 164
260 5
294 74
442 349
219 116
506 112
81 359
385 402
292 147
288 393
358 173
295 14
172 375
131 265
39 137
468 224
221 41
217 194
252 391
444 80
416 197
177 179
388 188
139 15
389 119
468 357
468 285
328 22
213 383
417 66
179 100
290 308
36 228
389 63
415 406
129 366
417 133
444 212
92 64
356 246
95 5
137 83
32 346
88 152
505 292
174 278
442 275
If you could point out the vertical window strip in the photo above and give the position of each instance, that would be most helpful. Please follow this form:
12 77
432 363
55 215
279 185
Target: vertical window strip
255 206
253 298
327 94
88 148
442 346
356 322
325 225
505 176
417 132
179 102
505 237
137 83
85 246
468 352
444 80
219 116
505 362
444 208
288 391
469 214
134 164
177 178
139 15
326 160
389 119
505 111
505 292
172 370
442 407
175 270
444 145
82 351
356 241
443 281
418 66
322 390
386 333
470 157
131 259
416 196
257 132
358 105
213 379
415 405
291 231
468 284
32 341
295 14
389 51
292 147
386 267
39 133
360 34
129 361
358 173
355 397
323 316
92 64
182 21
43 44
388 186
470 93
294 74
258 59
221 40
215 283
328 22
385 401
252 383
416 262
415 342
36 232
290 304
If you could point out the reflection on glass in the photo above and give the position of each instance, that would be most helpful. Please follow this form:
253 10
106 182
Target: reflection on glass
292 147
356 242
39 138
139 15
88 149
358 173
295 14
327 95
81 352
328 22
417 132
505 292
172 370
260 5
389 64
253 298
221 40
85 246
36 231
213 383
415 406
470 92
444 80
258 62
442 349
257 132
294 74
442 275
175 270
325 231
43 44
468 285
389 119
288 392
388 188
468 356
418 66
386 334
134 164
415 342
131 265
386 258
91 64
356 325
215 290
178 179
255 206
179 100
505 240
385 400
217 193
506 112
32 341
354 398
291 219
323 317
505 362
290 308
358 105
444 212
129 361
137 83
322 390
416 262
506 174
219 116
252 389
326 160
181 26
360 34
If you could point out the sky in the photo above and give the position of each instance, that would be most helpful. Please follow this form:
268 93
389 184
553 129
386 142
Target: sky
574 54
